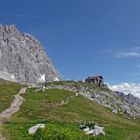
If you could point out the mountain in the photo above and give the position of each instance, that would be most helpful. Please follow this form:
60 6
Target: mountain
23 59
133 88
130 99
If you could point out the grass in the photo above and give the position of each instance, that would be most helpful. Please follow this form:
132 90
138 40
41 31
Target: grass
7 92
62 122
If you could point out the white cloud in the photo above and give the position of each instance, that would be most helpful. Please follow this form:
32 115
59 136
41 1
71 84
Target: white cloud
127 88
136 48
127 54
30 16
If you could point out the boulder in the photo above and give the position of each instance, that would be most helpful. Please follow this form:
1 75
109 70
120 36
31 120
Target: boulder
96 131
114 111
33 129
86 130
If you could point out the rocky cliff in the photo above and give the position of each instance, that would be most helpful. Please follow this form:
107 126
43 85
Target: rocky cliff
22 58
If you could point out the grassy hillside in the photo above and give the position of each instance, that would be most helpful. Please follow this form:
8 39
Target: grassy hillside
7 92
62 121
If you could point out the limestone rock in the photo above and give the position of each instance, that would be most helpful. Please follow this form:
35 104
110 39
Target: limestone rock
23 57
98 130
114 111
95 132
130 98
33 129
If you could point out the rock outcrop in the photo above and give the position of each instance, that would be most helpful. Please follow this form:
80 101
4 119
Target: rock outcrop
103 96
130 99
23 59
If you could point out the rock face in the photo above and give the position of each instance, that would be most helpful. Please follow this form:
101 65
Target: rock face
22 58
130 99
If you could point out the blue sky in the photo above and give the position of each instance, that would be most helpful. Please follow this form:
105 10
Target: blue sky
83 37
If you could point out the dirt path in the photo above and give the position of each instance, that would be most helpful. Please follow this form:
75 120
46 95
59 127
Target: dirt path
2 138
66 101
14 107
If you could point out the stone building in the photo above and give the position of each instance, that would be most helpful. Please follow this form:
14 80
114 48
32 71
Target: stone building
98 79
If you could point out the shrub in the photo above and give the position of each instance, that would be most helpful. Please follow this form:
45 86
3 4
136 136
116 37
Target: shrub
40 134
87 124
